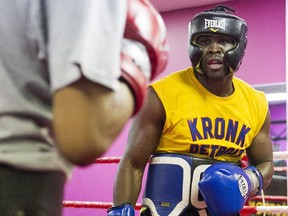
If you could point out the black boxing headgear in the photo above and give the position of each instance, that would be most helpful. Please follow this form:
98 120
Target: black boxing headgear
218 21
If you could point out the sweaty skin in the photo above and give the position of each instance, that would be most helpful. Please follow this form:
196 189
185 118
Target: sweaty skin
216 77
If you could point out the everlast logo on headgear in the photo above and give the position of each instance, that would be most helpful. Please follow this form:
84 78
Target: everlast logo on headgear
218 20
215 23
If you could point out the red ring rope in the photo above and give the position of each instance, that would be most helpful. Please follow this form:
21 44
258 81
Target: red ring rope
270 198
87 204
248 210
108 160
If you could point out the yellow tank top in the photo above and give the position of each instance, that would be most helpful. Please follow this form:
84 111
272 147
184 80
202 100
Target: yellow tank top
201 124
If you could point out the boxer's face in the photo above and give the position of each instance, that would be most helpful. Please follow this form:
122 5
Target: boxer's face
214 48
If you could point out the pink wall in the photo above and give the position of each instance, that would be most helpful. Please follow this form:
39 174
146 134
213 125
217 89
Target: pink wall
263 63
278 127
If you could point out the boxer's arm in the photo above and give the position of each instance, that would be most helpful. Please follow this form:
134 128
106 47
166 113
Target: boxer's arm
260 153
143 138
82 112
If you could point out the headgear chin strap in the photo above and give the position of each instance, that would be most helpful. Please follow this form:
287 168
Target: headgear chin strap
218 21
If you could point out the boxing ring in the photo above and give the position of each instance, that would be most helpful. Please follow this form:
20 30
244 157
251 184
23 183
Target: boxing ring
247 210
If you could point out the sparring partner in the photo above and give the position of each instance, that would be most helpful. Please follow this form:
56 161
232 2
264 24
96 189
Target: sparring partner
197 118
71 74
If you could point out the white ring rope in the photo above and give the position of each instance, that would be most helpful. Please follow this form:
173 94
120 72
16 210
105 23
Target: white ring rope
280 155
272 209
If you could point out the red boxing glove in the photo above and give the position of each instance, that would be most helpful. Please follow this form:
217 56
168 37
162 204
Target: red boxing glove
145 48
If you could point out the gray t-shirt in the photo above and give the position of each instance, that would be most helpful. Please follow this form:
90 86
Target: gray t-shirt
43 43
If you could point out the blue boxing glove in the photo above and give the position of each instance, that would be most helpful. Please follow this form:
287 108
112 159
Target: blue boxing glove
125 209
226 187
